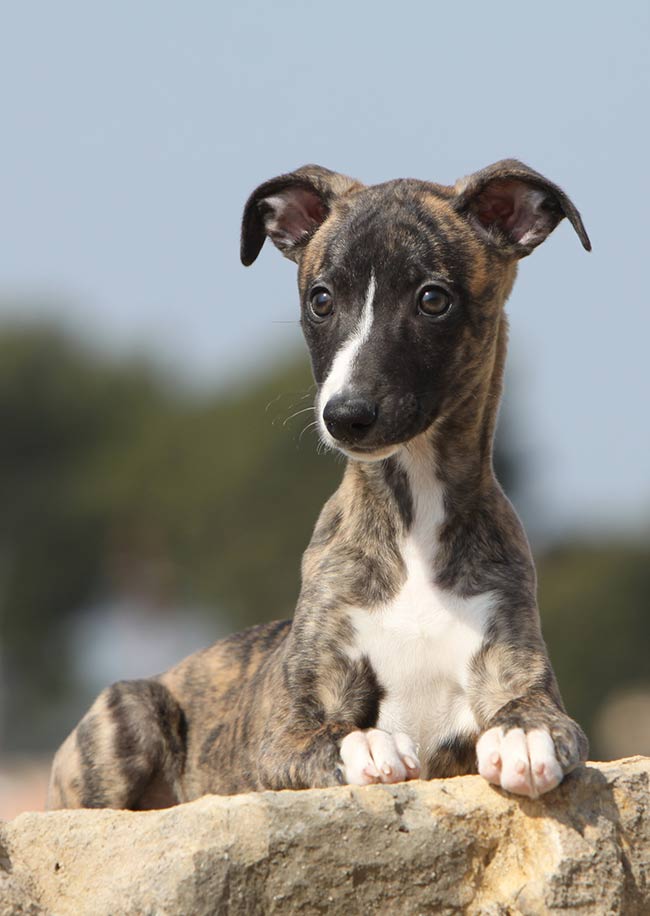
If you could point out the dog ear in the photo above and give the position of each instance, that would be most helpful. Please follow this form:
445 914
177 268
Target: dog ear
288 209
515 207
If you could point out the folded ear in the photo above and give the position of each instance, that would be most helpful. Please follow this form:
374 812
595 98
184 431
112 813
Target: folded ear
288 209
515 207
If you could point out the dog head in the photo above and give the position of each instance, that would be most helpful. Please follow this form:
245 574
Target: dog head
402 286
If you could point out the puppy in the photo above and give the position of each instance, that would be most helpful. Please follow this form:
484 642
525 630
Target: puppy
415 649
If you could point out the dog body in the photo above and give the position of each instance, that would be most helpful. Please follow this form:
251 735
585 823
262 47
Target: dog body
415 649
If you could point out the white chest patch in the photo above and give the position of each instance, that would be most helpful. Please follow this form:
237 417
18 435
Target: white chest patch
421 643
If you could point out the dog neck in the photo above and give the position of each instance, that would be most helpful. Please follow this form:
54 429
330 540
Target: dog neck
448 470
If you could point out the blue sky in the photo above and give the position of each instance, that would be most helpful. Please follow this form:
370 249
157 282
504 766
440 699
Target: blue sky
133 132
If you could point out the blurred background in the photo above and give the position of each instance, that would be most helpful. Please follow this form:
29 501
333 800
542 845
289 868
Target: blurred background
157 483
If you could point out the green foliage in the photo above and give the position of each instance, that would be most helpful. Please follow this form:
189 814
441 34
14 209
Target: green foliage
59 408
594 606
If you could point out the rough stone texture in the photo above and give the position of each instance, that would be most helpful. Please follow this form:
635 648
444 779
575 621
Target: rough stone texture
447 846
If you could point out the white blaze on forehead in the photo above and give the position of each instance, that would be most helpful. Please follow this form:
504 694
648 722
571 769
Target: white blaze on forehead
341 370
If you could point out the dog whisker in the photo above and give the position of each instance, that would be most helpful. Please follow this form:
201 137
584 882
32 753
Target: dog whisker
311 425
272 402
304 410
296 397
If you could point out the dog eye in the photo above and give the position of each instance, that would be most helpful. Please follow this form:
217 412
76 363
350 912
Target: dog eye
321 303
434 301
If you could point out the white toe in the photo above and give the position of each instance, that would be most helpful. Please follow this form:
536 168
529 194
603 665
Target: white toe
515 770
386 756
544 765
358 766
409 754
488 752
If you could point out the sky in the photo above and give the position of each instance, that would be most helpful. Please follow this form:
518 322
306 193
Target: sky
132 134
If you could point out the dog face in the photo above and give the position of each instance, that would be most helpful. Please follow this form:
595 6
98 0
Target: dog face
402 287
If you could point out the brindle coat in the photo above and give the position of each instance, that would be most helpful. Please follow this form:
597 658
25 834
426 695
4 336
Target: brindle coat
268 708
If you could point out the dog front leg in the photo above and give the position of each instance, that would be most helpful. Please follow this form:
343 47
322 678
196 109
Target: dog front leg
530 744
295 759
336 754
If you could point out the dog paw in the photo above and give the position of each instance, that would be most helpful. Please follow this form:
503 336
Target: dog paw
373 756
520 762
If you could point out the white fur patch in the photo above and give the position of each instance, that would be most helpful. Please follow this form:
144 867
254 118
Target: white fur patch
341 369
374 756
421 643
525 764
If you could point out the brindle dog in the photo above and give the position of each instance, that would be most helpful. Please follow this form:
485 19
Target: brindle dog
415 649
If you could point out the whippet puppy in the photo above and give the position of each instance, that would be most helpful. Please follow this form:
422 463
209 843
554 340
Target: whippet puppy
415 649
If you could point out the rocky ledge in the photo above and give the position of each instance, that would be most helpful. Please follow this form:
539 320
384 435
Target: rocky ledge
447 846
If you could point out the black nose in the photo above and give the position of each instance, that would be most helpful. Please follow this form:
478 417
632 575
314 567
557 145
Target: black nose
349 419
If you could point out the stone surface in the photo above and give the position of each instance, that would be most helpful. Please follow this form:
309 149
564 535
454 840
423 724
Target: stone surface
446 846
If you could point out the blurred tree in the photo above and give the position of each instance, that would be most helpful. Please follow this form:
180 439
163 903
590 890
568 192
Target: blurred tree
59 409
594 606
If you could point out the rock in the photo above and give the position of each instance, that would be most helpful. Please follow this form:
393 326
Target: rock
446 846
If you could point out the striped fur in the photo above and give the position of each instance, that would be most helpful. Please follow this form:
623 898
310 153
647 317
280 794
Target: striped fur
417 612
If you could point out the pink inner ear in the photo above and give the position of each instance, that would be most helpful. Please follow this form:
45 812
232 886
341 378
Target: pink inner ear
293 214
515 208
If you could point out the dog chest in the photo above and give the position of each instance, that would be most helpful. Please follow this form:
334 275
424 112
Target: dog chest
420 646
